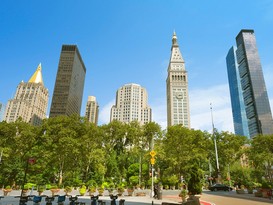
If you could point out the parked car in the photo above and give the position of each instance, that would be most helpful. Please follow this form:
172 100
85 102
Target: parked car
218 187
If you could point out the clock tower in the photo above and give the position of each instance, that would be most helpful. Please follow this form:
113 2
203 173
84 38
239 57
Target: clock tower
178 111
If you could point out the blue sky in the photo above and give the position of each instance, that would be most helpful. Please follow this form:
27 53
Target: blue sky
129 41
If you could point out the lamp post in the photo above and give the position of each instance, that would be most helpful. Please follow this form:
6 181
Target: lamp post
215 146
152 153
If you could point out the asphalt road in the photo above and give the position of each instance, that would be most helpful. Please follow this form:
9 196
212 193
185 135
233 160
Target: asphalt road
231 198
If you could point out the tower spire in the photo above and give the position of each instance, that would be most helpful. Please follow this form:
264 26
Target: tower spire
37 76
176 55
174 39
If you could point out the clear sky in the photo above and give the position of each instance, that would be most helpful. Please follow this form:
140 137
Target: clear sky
129 41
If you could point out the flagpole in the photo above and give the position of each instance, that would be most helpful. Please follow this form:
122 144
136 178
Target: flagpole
215 145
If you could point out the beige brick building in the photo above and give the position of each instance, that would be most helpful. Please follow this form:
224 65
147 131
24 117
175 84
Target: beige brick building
30 101
92 110
131 105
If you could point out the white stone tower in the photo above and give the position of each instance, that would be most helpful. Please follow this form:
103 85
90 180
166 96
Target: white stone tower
178 111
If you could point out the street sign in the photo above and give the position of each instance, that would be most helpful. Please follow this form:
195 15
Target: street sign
152 161
152 153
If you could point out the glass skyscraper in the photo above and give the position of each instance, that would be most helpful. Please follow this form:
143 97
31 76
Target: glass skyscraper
257 108
236 95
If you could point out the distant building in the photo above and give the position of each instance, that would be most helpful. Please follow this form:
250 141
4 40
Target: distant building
69 84
92 110
30 101
131 105
178 111
236 95
257 108
2 112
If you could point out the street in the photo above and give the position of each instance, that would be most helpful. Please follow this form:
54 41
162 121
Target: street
222 198
231 198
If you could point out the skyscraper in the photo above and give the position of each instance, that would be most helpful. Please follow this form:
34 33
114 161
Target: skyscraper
92 110
2 111
255 97
131 105
236 95
68 90
178 111
30 101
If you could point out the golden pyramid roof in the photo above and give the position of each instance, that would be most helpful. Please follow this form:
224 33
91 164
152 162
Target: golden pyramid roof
37 76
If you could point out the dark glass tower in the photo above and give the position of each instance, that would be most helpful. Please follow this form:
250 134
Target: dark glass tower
68 90
236 95
255 97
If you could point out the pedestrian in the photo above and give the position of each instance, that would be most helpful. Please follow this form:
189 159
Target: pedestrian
269 194
155 191
235 185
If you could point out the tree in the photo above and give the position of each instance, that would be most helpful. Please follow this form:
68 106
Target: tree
182 146
260 155
230 150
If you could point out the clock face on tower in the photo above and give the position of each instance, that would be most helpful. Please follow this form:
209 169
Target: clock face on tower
179 95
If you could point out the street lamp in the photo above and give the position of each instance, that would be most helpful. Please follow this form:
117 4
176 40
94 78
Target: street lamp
215 145
152 153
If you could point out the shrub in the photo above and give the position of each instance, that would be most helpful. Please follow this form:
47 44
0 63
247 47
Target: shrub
41 188
7 187
134 180
82 190
92 183
68 189
183 193
173 180
92 189
195 184
48 186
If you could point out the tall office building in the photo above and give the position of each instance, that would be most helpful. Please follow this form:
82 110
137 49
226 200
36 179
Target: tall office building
2 112
68 90
131 105
236 95
30 101
92 110
178 111
255 97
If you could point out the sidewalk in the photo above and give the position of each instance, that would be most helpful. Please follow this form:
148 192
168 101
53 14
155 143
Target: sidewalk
130 200
178 199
